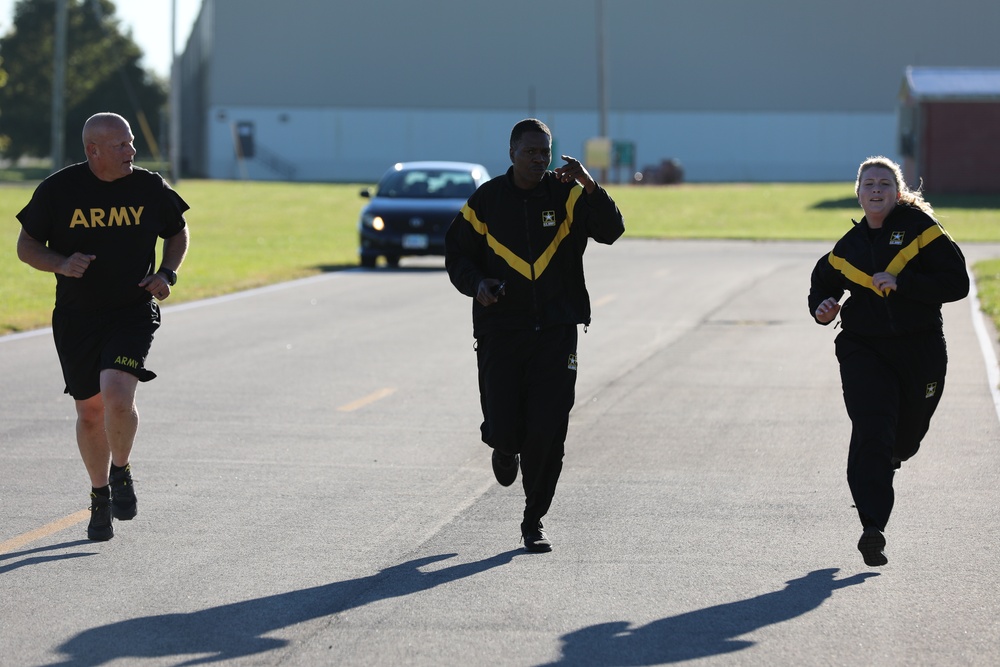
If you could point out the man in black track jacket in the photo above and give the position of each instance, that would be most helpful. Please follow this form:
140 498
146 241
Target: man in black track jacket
517 249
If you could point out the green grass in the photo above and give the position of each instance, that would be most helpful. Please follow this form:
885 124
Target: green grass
243 235
988 283
777 211
247 234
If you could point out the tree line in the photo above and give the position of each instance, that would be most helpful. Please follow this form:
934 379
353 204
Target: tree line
102 73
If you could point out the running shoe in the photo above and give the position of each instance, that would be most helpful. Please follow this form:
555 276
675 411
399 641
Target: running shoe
100 528
123 502
872 547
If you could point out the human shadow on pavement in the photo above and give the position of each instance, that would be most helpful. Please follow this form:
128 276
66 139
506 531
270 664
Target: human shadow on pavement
37 560
237 630
50 547
701 633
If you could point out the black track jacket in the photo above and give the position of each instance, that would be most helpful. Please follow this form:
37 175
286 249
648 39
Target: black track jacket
929 269
534 240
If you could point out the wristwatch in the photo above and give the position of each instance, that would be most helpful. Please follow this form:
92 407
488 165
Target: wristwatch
171 276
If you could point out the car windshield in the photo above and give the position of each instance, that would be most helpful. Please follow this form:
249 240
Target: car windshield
427 184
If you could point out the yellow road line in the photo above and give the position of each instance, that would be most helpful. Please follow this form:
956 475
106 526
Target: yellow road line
370 398
83 515
44 531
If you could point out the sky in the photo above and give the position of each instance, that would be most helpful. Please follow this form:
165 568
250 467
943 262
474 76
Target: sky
149 21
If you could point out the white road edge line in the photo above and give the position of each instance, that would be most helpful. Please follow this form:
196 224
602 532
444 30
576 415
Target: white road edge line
206 302
985 344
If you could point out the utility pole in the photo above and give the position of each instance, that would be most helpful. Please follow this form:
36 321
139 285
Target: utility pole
175 100
602 81
59 86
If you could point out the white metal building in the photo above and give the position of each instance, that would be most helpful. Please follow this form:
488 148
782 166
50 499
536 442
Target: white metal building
771 90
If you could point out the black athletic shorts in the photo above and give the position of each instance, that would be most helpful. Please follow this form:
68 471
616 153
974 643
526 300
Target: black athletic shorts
89 342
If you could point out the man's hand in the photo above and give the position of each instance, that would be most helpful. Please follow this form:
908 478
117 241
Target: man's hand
38 255
76 265
490 291
573 170
156 285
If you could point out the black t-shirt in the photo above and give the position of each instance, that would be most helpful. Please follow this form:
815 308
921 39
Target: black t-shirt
118 221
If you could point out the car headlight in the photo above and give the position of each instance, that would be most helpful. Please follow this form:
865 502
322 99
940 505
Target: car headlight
374 221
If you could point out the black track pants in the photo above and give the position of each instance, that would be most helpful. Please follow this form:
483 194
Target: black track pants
527 384
891 388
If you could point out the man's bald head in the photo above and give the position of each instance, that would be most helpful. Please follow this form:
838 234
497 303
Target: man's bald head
99 124
107 141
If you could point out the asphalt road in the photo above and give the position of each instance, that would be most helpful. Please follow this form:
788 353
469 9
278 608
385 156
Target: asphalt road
312 489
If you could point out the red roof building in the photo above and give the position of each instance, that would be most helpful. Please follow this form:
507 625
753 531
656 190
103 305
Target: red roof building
949 129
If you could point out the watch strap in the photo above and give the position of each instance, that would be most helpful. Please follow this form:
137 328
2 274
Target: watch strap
171 276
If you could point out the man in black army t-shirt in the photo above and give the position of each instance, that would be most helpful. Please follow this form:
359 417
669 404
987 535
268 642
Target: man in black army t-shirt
95 225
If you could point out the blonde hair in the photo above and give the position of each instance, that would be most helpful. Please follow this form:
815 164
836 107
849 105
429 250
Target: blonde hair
914 198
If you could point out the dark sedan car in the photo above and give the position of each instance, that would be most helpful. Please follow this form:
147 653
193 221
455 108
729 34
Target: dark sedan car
411 209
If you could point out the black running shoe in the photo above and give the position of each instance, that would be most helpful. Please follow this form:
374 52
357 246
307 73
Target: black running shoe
123 503
872 545
536 541
505 467
100 528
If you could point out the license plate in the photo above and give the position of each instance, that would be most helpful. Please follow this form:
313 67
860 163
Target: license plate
415 241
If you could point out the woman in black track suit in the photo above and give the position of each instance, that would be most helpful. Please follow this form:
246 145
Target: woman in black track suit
899 266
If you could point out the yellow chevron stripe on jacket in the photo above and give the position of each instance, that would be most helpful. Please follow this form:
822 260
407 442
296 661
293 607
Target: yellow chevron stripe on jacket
896 266
519 264
852 273
500 249
910 251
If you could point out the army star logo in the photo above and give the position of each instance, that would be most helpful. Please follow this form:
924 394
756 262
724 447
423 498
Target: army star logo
896 238
572 362
548 218
931 390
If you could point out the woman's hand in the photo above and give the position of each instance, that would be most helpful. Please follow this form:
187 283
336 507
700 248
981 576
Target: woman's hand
827 311
884 282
